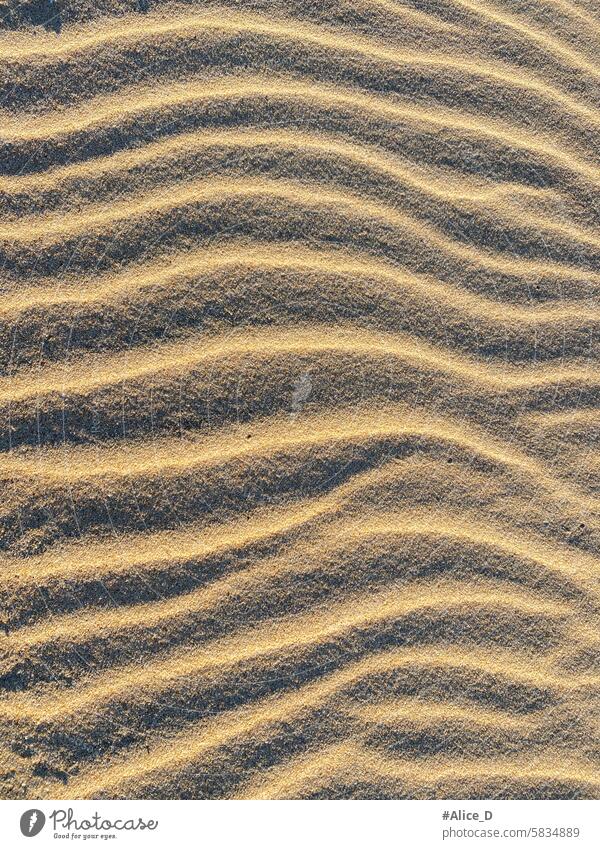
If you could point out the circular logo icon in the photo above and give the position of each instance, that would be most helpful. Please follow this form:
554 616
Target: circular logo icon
32 822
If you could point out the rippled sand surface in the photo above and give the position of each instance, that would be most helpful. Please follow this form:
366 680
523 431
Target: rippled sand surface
299 399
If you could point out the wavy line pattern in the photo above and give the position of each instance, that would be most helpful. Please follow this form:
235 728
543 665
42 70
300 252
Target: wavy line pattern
299 398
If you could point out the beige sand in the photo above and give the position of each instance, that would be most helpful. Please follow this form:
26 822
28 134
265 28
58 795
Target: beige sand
299 399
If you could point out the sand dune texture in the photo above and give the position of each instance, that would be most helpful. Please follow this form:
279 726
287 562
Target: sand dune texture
300 399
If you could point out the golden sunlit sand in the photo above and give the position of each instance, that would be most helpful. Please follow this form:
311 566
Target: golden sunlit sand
300 399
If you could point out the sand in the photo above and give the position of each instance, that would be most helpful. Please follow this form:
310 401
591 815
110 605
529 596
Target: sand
299 399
